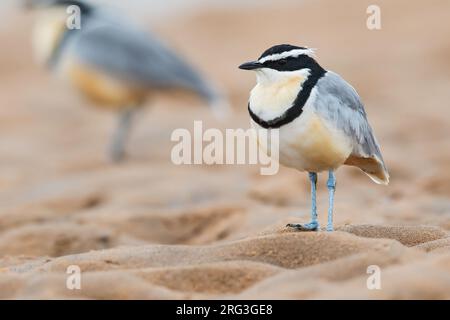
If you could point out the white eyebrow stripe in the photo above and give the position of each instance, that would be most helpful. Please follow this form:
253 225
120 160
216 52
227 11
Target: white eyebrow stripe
288 54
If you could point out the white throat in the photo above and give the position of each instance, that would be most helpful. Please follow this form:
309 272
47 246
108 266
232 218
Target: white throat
276 91
48 30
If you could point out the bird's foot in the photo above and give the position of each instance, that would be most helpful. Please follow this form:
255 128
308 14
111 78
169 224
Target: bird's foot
312 226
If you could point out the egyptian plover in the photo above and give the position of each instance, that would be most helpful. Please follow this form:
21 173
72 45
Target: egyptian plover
321 120
112 62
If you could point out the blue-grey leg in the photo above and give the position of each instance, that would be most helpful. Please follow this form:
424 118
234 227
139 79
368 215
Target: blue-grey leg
120 136
314 224
331 184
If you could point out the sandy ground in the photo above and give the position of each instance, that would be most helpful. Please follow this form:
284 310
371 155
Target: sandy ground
148 229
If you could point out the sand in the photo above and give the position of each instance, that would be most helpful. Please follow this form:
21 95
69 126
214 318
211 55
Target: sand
147 229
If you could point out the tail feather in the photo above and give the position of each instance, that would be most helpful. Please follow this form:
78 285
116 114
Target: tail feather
372 166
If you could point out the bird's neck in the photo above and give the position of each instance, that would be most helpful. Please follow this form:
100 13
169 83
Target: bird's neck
276 92
48 30
279 98
51 33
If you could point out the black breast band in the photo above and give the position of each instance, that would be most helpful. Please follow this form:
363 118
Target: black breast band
297 108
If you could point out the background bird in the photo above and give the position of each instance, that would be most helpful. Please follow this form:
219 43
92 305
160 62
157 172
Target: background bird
112 62
321 120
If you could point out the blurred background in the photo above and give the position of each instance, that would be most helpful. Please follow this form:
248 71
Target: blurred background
60 195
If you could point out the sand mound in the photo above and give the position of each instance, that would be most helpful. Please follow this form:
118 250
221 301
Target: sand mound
407 235
194 270
112 285
57 239
423 279
215 278
152 283
440 244
404 274
305 282
287 250
284 264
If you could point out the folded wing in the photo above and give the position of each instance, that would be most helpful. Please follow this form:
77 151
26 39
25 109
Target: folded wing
119 48
338 102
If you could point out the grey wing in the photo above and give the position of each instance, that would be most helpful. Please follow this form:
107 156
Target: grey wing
125 51
338 102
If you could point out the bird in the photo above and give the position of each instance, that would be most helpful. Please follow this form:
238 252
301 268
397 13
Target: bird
113 63
321 121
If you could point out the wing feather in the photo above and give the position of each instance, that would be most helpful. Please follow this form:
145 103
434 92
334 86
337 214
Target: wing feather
338 102
118 47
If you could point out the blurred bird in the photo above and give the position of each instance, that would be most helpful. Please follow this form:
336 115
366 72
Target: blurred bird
321 120
112 62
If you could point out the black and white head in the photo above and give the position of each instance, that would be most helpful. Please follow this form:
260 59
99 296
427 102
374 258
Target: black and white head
284 61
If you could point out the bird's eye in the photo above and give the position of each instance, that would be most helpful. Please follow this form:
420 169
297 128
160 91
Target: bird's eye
282 62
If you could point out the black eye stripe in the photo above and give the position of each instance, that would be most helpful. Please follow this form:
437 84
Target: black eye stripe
292 63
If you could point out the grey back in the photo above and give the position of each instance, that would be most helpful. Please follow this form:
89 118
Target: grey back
116 46
338 102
